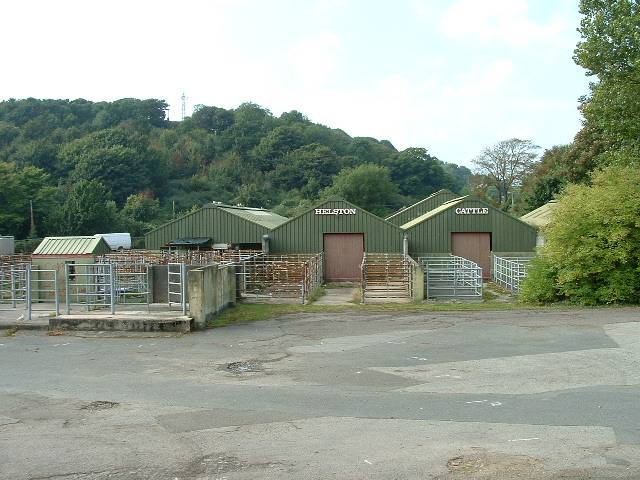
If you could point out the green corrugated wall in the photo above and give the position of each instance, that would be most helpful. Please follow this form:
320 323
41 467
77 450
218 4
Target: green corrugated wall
209 221
422 207
508 234
304 234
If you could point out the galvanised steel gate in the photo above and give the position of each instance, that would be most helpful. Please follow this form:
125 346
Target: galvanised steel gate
508 272
90 285
31 289
177 285
451 276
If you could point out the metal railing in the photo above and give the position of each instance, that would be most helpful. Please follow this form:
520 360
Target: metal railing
29 288
13 286
177 285
508 272
387 276
280 276
451 276
91 285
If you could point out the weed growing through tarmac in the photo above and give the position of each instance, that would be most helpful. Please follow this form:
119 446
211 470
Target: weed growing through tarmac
10 332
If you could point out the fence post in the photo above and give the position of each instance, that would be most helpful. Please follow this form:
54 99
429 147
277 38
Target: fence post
67 296
28 292
56 292
183 287
12 278
112 287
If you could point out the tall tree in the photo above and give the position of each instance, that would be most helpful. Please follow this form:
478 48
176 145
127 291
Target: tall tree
505 164
368 186
610 51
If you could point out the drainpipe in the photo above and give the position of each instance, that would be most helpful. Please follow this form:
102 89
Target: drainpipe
405 245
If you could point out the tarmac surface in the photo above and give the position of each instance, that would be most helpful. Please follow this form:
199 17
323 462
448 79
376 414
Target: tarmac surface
485 395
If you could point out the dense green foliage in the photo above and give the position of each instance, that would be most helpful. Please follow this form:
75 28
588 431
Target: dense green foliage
121 165
592 254
593 250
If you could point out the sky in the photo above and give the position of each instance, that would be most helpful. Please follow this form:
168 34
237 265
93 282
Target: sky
452 76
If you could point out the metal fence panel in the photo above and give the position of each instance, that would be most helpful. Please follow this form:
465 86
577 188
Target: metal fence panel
509 272
91 285
451 276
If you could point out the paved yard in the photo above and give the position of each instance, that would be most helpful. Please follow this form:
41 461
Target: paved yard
488 395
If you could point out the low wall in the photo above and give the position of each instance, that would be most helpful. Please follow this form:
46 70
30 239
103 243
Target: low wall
211 289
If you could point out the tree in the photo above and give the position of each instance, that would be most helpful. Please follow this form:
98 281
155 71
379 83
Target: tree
417 173
368 186
18 187
592 254
505 164
141 207
118 159
88 210
610 51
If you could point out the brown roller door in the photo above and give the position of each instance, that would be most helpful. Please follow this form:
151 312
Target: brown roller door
343 256
475 247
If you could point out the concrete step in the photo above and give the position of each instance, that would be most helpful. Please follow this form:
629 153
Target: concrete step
120 323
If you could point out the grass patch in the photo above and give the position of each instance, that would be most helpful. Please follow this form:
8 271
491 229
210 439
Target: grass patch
253 312
316 294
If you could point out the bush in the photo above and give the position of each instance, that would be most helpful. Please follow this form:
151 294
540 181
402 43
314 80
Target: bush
593 242
540 284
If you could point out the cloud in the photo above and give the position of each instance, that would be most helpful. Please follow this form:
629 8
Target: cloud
505 21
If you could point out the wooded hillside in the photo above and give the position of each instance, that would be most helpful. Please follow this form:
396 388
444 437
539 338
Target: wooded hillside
121 166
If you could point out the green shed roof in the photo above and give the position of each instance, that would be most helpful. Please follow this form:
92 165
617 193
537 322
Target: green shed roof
541 216
260 216
72 246
433 213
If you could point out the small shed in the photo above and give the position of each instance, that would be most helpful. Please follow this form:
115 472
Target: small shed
420 208
470 228
54 253
221 224
342 231
539 218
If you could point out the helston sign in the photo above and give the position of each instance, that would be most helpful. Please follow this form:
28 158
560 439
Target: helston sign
472 211
335 211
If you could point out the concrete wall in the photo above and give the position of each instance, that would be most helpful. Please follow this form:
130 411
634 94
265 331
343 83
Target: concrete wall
418 283
211 289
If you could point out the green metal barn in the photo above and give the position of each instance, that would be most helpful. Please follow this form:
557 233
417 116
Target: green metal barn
222 224
471 228
342 231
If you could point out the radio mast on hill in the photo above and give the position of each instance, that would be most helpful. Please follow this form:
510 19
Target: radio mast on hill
184 105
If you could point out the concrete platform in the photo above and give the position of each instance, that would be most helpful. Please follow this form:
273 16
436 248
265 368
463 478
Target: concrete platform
121 323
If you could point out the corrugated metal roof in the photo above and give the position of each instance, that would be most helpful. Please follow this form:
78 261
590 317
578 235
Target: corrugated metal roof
72 246
541 216
256 215
441 192
433 212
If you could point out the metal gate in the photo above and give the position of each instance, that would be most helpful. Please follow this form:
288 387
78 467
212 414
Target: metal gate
508 272
132 284
91 285
30 289
43 289
452 277
177 285
13 286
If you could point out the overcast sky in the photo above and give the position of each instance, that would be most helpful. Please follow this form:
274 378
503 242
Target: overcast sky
451 76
